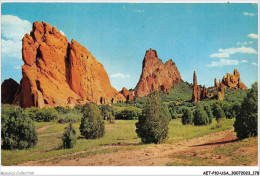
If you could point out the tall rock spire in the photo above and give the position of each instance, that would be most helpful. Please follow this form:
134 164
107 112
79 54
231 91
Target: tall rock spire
195 88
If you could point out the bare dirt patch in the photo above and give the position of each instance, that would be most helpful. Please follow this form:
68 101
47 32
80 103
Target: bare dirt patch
42 129
247 150
154 155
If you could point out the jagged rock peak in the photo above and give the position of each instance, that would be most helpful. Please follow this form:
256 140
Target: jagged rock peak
59 73
231 81
199 93
156 76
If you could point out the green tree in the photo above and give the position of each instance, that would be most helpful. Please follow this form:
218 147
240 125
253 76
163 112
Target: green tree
246 121
69 137
166 111
235 108
226 107
200 116
152 126
187 117
17 129
209 112
92 125
219 114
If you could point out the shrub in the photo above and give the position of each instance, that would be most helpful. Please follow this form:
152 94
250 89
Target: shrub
235 108
92 125
42 115
128 113
109 117
71 117
32 112
17 130
172 111
209 113
104 109
152 126
78 108
62 110
166 111
69 137
219 114
46 115
246 121
226 107
200 116
187 117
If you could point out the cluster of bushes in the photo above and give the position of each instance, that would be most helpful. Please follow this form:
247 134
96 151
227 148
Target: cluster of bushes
92 125
172 110
69 117
231 109
17 129
42 115
127 113
202 115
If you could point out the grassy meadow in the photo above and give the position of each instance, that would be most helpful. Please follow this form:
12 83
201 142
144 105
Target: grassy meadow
121 135
118 136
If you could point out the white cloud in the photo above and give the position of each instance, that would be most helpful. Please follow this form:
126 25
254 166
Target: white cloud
244 61
11 48
255 64
223 62
139 11
252 35
62 33
13 30
242 49
119 75
244 43
248 14
219 55
224 53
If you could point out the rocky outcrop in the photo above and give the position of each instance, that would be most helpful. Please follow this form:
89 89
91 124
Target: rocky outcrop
57 72
129 95
221 93
198 92
156 76
8 89
231 81
195 93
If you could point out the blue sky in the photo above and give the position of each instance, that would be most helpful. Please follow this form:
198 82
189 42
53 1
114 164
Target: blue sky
211 39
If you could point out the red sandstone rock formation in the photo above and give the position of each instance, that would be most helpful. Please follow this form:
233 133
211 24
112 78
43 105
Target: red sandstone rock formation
231 81
221 93
198 92
129 95
156 76
8 90
195 88
56 72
